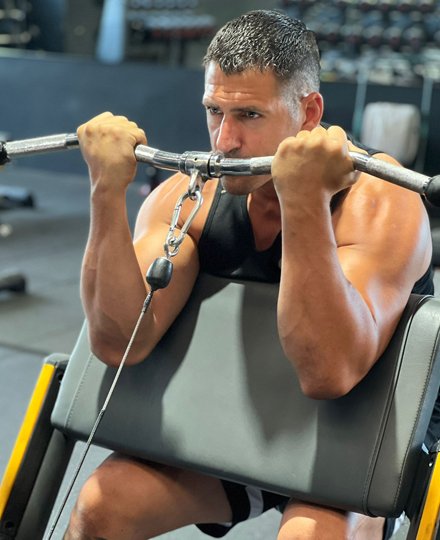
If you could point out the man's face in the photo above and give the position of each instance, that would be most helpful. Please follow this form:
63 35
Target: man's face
247 116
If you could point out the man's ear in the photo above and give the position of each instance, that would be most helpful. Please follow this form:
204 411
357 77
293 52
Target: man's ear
313 109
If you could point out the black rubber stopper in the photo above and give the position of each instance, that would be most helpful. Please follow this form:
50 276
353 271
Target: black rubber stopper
3 154
159 274
432 192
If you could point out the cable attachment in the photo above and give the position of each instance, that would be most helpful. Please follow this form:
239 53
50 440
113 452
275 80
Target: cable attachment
194 193
159 274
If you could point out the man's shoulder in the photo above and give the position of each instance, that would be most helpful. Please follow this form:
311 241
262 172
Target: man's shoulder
162 203
373 197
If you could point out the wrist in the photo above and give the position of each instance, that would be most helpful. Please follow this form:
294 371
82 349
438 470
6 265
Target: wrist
313 201
104 191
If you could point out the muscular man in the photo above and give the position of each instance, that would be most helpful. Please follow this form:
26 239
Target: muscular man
359 243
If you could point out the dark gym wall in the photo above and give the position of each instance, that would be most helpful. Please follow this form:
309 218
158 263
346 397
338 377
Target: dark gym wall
48 94
81 26
66 25
49 17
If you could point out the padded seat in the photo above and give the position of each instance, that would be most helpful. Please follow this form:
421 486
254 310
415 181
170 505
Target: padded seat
218 395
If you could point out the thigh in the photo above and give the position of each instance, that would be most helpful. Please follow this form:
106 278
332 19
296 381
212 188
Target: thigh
150 499
311 522
367 528
304 521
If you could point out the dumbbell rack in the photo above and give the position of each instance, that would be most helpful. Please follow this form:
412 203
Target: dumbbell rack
398 37
15 30
155 25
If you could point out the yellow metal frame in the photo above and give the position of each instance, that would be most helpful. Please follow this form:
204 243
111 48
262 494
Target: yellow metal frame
429 521
24 436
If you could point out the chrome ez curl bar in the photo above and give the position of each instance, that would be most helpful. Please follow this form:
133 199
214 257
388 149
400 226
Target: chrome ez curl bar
214 164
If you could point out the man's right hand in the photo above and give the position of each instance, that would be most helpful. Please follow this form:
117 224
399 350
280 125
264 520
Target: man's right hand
107 144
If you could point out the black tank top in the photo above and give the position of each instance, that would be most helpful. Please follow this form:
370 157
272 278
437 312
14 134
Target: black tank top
227 246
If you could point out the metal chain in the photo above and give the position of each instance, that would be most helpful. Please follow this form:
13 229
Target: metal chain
194 192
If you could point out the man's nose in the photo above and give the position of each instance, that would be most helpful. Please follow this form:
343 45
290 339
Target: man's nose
228 136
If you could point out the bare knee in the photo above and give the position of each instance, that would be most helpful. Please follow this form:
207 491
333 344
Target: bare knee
108 506
303 521
126 499
95 513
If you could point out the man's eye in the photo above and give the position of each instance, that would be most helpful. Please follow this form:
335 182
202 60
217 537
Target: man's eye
251 114
213 110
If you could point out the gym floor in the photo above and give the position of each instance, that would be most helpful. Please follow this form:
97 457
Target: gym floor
46 245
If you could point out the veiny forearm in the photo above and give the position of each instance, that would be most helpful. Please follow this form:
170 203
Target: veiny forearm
325 326
112 286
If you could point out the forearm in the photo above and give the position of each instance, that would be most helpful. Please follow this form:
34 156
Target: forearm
112 286
325 326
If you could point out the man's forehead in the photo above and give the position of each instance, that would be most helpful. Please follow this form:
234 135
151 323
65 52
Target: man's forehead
251 82
213 70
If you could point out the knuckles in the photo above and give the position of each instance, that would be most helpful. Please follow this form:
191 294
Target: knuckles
107 143
316 144
109 124
313 159
108 130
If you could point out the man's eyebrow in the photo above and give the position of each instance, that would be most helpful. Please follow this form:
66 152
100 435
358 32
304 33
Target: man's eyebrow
248 108
243 109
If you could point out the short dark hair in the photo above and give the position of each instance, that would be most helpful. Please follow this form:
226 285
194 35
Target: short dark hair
268 40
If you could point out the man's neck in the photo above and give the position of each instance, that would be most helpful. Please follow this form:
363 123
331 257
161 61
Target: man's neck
265 216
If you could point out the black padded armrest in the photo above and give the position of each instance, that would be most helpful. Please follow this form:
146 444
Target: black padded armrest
218 395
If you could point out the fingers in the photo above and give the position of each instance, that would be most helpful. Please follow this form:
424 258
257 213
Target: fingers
332 141
315 161
335 133
107 144
106 123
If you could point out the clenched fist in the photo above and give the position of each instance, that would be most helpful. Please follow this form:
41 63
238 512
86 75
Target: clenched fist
107 144
313 164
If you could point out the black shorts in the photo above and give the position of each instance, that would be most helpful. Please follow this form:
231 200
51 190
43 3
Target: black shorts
246 503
